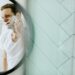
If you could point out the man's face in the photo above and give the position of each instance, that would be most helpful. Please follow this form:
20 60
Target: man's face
7 15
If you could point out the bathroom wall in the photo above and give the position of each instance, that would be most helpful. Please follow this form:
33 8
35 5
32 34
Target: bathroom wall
53 52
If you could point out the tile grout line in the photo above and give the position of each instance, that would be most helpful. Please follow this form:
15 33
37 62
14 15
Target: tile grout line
55 20
64 62
63 6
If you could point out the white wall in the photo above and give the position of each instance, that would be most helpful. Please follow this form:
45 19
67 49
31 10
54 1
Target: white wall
22 2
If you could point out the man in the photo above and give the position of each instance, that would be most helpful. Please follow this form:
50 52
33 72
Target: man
13 44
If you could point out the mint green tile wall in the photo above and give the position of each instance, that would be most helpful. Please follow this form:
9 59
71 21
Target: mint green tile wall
53 52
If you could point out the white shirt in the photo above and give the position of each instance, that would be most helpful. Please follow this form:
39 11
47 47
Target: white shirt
3 36
14 50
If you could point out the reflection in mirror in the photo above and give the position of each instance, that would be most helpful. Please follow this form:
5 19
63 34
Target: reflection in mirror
11 37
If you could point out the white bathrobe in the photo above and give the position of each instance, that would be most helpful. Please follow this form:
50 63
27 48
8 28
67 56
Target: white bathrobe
14 50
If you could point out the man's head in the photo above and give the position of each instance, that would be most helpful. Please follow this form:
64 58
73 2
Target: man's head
8 11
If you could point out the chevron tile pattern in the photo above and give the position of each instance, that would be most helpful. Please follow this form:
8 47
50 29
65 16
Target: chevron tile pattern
53 52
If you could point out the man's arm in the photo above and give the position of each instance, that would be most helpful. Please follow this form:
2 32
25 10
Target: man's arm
5 64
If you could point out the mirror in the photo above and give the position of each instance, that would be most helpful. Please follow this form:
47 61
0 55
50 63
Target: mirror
15 35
